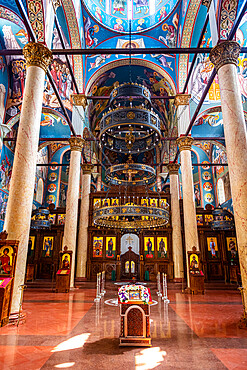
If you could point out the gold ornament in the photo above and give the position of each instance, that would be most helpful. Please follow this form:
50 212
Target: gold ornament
37 54
76 143
184 142
130 115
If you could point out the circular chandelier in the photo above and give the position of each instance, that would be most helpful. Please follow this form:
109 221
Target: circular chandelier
136 174
131 217
130 130
130 91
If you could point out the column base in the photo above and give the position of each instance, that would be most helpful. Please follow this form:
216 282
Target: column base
78 279
15 318
179 280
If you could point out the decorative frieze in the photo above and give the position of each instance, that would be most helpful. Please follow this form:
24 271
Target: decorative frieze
182 99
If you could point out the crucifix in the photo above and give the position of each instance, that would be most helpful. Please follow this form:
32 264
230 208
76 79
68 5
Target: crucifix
129 239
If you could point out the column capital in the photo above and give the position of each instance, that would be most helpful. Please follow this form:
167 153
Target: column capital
173 168
226 52
182 99
87 168
37 54
184 142
79 99
76 143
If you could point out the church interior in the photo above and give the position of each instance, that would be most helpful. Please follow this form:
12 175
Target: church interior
123 192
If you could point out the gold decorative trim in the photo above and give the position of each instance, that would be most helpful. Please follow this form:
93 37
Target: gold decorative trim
226 52
182 99
87 168
37 54
184 142
79 99
173 168
76 143
207 3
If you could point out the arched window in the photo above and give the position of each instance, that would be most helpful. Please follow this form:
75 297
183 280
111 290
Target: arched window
40 190
221 191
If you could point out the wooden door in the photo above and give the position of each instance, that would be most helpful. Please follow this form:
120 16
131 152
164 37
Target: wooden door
130 265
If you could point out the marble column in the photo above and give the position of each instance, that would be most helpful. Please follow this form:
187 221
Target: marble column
83 222
225 58
190 225
19 208
183 112
177 246
70 227
78 113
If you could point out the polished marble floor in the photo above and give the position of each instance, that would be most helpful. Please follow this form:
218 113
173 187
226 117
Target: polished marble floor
70 331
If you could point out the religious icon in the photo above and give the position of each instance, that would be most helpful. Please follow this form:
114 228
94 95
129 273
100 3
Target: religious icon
97 246
50 199
106 202
96 203
163 203
31 245
144 202
205 167
208 186
208 219
65 261
110 247
52 218
194 261
52 176
162 247
149 247
47 246
51 188
153 202
53 167
206 175
232 247
209 197
115 202
6 253
199 220
212 247
61 219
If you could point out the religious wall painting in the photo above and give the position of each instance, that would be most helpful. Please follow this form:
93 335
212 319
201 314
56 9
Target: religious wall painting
153 202
212 246
97 246
61 219
53 166
6 259
199 220
232 249
65 263
52 176
52 188
208 186
31 244
208 219
162 247
50 199
63 195
110 247
47 246
162 203
206 176
209 198
197 195
149 246
106 202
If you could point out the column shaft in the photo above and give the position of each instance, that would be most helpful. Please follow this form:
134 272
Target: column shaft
19 208
176 228
83 227
70 227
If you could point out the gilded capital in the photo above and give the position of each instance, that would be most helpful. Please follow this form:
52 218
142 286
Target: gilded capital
184 143
76 143
226 52
182 99
37 54
87 168
79 99
173 168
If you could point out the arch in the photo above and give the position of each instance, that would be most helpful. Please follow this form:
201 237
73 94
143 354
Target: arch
124 62
132 242
130 310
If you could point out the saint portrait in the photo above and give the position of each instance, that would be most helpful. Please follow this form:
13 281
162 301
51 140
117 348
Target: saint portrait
232 247
110 247
162 247
212 244
47 246
149 247
65 263
97 246
6 253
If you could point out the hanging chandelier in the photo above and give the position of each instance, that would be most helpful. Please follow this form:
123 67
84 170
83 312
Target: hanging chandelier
131 217
223 220
130 91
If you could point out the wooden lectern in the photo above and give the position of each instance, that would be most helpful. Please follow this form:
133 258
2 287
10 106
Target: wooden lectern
64 272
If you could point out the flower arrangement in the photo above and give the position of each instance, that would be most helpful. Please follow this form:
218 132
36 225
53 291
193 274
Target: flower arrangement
123 293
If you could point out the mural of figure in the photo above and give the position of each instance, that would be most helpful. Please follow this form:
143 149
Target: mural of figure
163 13
100 59
162 59
141 25
89 33
162 248
62 202
149 246
118 26
197 197
142 5
212 247
98 14
110 247
5 260
3 207
2 97
171 37
119 6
